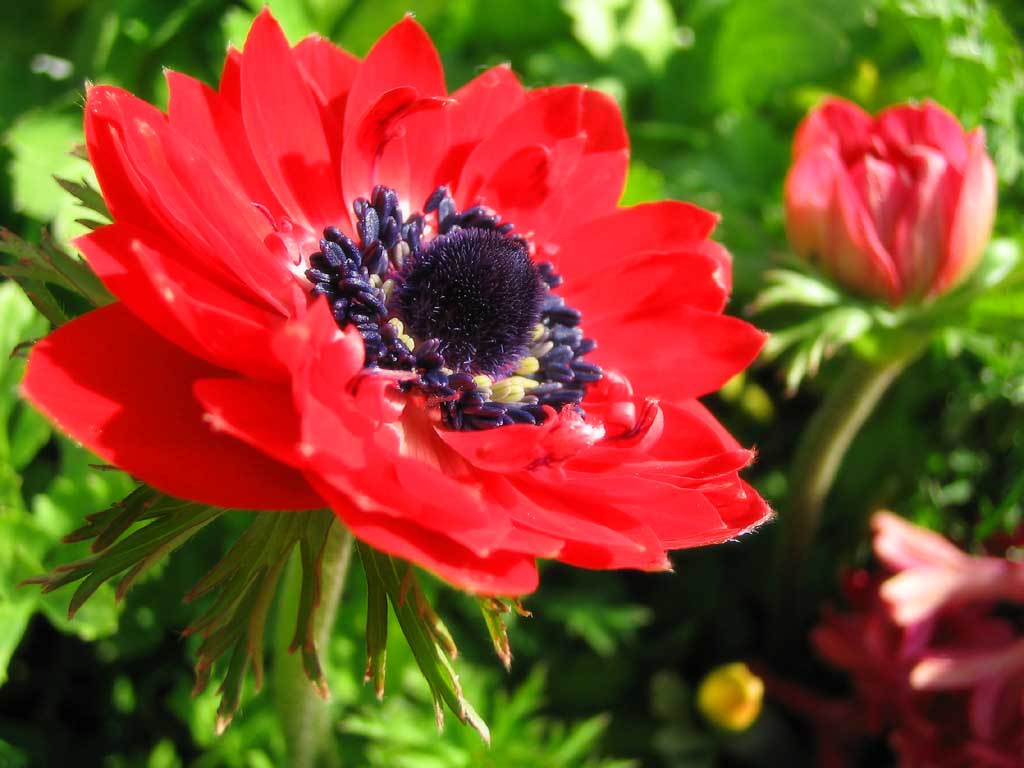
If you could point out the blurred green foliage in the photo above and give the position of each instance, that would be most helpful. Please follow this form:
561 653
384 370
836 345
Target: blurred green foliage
712 90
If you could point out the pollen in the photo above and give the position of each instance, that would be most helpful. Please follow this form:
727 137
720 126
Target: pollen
528 365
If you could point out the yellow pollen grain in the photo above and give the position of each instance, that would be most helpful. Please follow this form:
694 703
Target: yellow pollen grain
512 389
482 381
403 337
528 365
388 287
375 281
538 332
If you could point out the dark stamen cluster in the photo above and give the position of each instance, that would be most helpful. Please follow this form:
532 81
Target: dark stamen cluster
467 310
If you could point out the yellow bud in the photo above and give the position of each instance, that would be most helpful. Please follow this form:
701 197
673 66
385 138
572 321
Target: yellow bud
730 696
482 381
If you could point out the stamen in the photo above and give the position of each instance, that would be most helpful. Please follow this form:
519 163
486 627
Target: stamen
467 310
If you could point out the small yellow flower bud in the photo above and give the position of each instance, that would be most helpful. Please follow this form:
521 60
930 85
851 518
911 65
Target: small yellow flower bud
730 696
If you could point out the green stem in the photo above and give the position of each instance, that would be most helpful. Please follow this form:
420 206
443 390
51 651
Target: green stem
305 716
818 458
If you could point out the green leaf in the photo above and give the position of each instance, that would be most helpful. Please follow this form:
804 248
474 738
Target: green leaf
647 28
788 287
22 432
766 46
40 144
13 622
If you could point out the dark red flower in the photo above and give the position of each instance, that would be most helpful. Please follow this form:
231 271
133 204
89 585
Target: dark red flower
899 206
934 663
322 302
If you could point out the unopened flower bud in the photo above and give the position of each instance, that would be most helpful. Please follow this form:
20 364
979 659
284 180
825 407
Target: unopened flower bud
898 207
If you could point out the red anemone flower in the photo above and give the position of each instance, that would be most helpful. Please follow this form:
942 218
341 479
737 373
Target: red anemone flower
322 301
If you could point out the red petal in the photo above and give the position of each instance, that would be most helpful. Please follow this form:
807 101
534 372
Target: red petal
596 533
675 353
330 70
853 252
573 143
661 280
901 127
549 116
602 120
479 108
383 148
285 129
885 192
499 573
972 221
174 189
258 413
188 309
665 226
403 56
920 240
199 112
230 87
126 393
124 190
838 124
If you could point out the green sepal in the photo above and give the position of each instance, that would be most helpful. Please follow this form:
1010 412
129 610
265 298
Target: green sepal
493 611
170 524
428 639
245 581
40 269
87 195
376 634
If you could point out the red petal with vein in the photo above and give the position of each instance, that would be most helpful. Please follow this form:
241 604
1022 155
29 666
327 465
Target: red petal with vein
330 71
186 308
126 393
855 255
380 149
202 114
665 226
836 123
928 125
184 196
678 353
284 127
403 57
500 573
971 224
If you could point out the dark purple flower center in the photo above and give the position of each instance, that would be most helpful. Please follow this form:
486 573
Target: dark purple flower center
477 292
468 310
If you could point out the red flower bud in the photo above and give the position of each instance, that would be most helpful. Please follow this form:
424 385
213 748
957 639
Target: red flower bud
898 206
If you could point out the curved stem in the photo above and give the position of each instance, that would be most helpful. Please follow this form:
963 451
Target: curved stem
304 715
818 457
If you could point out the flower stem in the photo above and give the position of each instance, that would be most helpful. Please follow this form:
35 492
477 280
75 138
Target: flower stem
817 459
304 715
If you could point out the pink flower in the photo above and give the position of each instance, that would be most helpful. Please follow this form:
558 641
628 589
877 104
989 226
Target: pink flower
897 207
932 661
